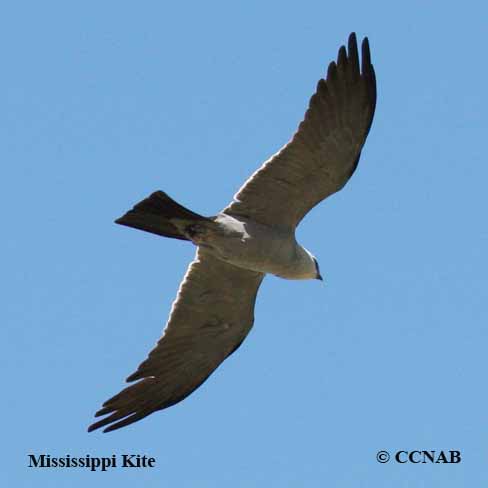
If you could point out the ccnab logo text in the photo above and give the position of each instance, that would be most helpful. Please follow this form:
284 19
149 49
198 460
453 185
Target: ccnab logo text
423 457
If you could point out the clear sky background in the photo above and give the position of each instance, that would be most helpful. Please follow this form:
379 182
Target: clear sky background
104 102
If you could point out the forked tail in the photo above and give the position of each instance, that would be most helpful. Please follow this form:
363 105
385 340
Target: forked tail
161 215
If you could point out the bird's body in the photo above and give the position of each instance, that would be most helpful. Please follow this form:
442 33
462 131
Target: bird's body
256 247
251 237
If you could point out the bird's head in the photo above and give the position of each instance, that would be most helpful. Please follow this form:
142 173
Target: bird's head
309 265
318 276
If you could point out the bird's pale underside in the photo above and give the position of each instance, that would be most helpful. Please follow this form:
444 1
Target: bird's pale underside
254 235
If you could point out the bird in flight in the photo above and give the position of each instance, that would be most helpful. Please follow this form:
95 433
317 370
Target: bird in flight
254 235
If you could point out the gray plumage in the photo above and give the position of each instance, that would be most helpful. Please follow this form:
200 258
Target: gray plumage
254 235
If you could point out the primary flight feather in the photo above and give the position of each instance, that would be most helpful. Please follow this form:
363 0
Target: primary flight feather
254 235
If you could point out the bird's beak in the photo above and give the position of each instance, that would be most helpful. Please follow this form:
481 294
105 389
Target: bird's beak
319 277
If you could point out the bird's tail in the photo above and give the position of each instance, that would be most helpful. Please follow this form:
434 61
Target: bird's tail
161 215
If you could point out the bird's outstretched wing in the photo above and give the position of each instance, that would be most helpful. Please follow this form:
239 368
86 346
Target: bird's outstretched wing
212 314
323 153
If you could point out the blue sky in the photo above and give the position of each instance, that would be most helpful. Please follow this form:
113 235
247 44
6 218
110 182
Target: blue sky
105 102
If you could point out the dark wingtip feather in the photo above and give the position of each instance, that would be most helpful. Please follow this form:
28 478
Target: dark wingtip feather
351 41
114 417
127 421
332 71
353 55
95 426
369 76
365 55
321 86
120 419
103 411
342 56
134 376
